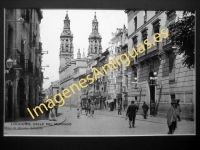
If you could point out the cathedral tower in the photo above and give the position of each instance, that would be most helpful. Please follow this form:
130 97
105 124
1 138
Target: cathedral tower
66 44
94 39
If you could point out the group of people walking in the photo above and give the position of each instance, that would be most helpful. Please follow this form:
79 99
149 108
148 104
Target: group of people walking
89 107
173 114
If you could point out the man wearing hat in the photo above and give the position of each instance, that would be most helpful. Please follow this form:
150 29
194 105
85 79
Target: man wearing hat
172 117
178 110
131 113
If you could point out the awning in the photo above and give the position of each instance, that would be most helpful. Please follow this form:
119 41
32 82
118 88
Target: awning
110 100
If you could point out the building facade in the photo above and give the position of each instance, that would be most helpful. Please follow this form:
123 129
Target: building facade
23 51
157 75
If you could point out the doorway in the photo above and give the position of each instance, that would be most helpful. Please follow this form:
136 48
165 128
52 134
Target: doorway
21 97
10 103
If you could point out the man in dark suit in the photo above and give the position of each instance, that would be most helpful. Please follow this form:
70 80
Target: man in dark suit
131 113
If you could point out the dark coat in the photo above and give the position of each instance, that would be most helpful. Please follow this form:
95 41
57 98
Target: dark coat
131 111
145 107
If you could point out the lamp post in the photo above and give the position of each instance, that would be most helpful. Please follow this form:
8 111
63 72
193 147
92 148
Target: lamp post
154 82
138 87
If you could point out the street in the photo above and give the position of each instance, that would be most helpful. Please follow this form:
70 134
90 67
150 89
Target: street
103 123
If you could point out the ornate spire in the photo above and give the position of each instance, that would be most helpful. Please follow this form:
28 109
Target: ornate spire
79 54
95 18
67 17
83 53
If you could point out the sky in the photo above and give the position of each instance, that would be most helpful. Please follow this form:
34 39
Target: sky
81 26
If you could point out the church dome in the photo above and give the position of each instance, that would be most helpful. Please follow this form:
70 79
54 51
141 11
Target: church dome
95 35
66 33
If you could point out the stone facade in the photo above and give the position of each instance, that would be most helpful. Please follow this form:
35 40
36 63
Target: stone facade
22 44
173 79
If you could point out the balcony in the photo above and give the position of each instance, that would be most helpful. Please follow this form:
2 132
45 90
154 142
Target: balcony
36 71
39 48
17 56
28 66
166 44
41 76
152 52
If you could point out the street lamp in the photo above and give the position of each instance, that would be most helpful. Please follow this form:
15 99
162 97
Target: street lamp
9 64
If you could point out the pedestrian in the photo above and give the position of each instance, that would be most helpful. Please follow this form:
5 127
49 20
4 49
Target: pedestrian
56 107
52 114
78 113
172 118
145 108
86 108
131 113
178 110
89 108
92 109
124 105
105 104
120 109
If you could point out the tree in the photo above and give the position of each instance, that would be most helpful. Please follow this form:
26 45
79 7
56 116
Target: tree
181 33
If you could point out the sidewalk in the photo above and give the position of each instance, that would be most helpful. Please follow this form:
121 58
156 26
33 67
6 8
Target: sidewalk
157 119
41 119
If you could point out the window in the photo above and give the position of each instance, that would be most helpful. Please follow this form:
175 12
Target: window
134 44
156 12
172 95
172 69
10 40
156 28
135 23
127 81
144 37
27 15
171 15
22 46
145 16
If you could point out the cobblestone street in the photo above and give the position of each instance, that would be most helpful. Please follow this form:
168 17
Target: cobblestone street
104 122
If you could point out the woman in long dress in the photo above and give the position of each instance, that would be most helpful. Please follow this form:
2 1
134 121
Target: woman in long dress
52 114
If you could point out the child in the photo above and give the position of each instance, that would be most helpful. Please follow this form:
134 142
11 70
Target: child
92 109
78 113
119 109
